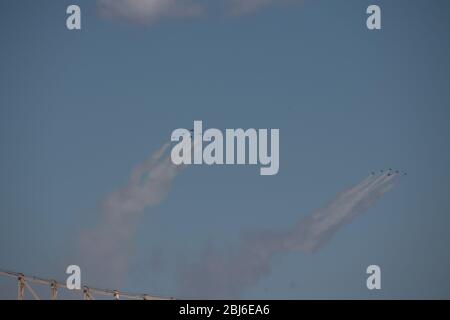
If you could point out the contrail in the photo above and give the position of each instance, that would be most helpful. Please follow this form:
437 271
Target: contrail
228 273
313 231
106 250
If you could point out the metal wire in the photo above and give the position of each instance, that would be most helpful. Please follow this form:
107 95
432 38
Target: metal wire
24 283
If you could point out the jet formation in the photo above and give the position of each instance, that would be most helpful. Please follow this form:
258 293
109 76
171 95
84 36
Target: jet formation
391 172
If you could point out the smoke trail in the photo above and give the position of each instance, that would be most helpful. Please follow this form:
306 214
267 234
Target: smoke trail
310 233
227 273
107 249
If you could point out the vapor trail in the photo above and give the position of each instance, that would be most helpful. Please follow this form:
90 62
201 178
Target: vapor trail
227 273
106 250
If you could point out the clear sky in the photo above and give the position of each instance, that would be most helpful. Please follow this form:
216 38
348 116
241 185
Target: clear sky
80 109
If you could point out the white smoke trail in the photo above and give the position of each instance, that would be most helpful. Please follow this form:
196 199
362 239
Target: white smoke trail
108 248
311 232
226 274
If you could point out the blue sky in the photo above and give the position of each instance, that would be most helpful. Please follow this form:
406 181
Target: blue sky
80 109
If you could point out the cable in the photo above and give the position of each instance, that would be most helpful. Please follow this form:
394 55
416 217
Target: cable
23 282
